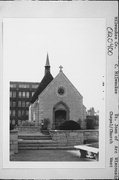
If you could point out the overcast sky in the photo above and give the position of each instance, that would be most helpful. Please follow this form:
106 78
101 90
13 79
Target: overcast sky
75 43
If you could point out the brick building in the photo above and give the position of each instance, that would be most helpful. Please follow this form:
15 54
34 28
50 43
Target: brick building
20 96
56 99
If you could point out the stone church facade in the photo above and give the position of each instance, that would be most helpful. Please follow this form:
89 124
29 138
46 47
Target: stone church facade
58 100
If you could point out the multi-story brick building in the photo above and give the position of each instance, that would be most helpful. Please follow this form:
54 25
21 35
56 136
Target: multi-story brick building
20 96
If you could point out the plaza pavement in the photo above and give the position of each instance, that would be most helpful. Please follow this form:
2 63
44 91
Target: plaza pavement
48 155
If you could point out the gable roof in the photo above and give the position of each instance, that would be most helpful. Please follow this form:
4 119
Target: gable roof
43 84
55 79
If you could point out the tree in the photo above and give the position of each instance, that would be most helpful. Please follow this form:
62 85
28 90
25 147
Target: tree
90 122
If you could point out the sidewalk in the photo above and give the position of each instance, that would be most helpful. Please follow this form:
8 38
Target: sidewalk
48 155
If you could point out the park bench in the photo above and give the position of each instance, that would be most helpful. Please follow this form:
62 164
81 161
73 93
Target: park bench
88 151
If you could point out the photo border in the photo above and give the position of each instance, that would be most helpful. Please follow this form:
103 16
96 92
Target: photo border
56 10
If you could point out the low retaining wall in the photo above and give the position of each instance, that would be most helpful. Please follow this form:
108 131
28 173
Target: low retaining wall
73 137
67 137
91 135
28 129
13 142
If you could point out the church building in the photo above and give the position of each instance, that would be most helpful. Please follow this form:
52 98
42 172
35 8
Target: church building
56 99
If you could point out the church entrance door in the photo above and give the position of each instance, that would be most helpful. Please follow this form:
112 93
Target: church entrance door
60 117
60 114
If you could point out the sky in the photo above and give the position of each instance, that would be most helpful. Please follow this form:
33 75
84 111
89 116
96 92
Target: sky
78 44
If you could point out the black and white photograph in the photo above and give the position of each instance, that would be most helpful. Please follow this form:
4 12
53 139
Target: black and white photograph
55 70
59 90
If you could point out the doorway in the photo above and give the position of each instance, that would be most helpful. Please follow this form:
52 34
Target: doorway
60 117
60 114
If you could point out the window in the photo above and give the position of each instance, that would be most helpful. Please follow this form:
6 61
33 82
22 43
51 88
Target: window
19 113
13 112
23 122
10 103
27 104
19 103
23 103
23 112
27 85
13 85
19 122
35 86
10 93
23 85
27 94
14 94
14 104
32 93
20 85
13 122
27 113
61 90
23 94
20 94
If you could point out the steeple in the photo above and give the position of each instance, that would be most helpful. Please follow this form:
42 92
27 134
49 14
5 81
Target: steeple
47 66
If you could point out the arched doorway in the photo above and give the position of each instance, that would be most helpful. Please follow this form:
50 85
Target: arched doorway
60 114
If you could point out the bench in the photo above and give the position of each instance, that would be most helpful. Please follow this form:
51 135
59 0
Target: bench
88 151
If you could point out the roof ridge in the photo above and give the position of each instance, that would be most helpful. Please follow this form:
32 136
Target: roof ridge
43 84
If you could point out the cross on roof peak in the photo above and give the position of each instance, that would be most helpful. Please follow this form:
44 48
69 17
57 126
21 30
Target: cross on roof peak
61 67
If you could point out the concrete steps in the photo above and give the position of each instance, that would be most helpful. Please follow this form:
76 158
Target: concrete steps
39 142
34 137
36 143
47 148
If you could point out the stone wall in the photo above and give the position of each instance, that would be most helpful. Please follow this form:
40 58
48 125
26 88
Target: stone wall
67 137
91 135
73 137
13 142
29 129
